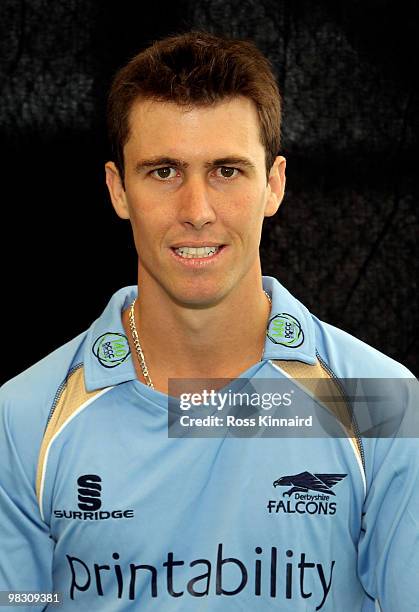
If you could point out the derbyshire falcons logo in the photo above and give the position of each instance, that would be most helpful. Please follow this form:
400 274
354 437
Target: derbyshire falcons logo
304 481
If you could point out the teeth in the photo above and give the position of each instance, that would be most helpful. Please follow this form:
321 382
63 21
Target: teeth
189 252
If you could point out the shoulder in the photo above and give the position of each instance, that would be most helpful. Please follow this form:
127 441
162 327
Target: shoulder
349 357
26 400
35 385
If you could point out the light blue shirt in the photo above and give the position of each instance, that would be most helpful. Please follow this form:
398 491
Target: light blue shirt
128 518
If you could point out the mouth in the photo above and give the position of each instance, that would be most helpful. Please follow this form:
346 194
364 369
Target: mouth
198 255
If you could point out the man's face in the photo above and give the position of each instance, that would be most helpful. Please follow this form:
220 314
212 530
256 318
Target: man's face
196 179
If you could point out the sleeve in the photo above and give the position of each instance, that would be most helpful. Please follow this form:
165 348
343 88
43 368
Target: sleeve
388 551
26 548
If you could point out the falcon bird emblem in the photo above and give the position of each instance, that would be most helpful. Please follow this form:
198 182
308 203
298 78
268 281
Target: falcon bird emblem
304 481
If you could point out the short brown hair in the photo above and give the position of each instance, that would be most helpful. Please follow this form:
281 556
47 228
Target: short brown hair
194 69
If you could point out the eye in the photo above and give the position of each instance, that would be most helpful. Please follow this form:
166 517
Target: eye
162 174
226 172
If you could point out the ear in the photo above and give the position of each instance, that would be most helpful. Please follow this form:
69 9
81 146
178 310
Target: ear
276 186
116 190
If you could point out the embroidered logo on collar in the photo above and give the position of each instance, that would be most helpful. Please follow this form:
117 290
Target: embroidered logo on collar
285 330
111 349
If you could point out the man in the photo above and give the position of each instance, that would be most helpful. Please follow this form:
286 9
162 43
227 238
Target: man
97 501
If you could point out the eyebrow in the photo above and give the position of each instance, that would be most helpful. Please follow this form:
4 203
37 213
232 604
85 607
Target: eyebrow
178 163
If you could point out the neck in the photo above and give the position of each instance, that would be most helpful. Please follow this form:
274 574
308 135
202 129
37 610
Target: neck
221 341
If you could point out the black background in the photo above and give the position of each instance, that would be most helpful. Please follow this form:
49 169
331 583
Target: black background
345 239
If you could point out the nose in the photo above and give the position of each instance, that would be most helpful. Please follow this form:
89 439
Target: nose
195 207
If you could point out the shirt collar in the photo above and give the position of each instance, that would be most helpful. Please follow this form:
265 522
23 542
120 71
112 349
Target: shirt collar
107 356
290 331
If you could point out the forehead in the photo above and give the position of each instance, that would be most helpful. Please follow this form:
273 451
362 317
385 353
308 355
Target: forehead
230 126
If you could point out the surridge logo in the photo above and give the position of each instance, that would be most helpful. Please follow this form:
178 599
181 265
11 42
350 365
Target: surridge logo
304 502
89 502
286 330
89 492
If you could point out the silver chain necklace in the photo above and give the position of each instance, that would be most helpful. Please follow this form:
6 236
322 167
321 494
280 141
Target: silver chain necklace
137 344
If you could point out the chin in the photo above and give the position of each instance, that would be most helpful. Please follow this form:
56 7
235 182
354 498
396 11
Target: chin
199 298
